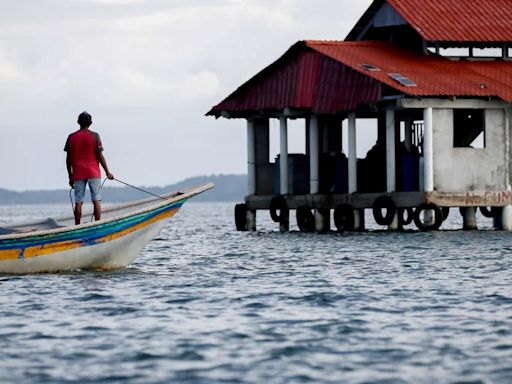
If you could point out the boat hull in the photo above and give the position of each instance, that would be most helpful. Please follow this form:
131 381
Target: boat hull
110 255
109 244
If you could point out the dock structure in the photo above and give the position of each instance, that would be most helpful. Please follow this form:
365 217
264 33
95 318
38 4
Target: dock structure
435 77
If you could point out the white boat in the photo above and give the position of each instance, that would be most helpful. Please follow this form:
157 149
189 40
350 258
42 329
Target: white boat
114 242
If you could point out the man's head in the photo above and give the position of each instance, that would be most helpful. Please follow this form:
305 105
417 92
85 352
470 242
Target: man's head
84 119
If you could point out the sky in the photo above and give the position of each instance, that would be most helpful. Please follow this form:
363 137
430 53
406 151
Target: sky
147 71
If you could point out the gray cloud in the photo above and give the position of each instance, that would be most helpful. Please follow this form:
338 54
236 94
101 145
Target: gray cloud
147 71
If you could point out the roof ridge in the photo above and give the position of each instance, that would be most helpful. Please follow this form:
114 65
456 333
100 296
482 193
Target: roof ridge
349 43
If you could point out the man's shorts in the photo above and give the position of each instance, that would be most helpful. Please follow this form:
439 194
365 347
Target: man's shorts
94 187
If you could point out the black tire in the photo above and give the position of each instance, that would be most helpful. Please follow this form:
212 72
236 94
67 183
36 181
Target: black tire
492 212
344 217
384 202
305 219
438 217
241 217
410 216
278 203
486 212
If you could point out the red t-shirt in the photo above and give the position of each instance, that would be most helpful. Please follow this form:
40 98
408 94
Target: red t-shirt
83 146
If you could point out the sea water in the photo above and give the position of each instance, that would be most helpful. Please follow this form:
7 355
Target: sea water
206 304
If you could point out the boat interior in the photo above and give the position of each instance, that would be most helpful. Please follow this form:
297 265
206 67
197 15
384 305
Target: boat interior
108 212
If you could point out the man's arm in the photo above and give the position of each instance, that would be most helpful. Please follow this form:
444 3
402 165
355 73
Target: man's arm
101 158
103 163
70 170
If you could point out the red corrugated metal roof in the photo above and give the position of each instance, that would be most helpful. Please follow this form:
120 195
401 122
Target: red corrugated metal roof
327 77
302 79
434 75
458 20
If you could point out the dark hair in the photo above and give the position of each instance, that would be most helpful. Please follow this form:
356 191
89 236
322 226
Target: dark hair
84 119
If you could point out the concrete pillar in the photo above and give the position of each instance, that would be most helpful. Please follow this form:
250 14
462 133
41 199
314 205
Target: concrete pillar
391 160
428 150
506 212
352 169
506 218
313 155
428 159
314 159
469 218
359 223
390 151
251 220
322 220
251 158
283 159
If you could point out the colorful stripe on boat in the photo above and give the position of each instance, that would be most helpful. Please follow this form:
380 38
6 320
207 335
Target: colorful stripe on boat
38 245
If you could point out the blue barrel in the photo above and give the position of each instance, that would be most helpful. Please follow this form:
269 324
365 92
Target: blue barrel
410 172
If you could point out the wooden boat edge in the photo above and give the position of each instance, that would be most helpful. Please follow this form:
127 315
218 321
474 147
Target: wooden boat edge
169 199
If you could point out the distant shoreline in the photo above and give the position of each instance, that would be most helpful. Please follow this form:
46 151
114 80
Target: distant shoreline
227 188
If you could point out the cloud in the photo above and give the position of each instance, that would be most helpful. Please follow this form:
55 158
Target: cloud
148 71
114 2
9 72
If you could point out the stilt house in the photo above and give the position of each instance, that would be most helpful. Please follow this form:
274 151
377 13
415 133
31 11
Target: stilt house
435 75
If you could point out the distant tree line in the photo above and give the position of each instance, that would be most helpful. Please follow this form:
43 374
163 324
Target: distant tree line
227 188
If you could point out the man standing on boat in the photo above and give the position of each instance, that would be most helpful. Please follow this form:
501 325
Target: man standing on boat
84 156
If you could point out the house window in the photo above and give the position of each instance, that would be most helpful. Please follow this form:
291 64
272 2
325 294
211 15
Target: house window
469 128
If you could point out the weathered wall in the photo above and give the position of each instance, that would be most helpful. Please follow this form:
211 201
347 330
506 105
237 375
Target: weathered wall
508 126
470 169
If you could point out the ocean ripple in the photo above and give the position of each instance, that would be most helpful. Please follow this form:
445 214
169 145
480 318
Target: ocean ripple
206 304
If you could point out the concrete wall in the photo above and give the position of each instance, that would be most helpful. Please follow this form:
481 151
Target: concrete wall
508 127
471 169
